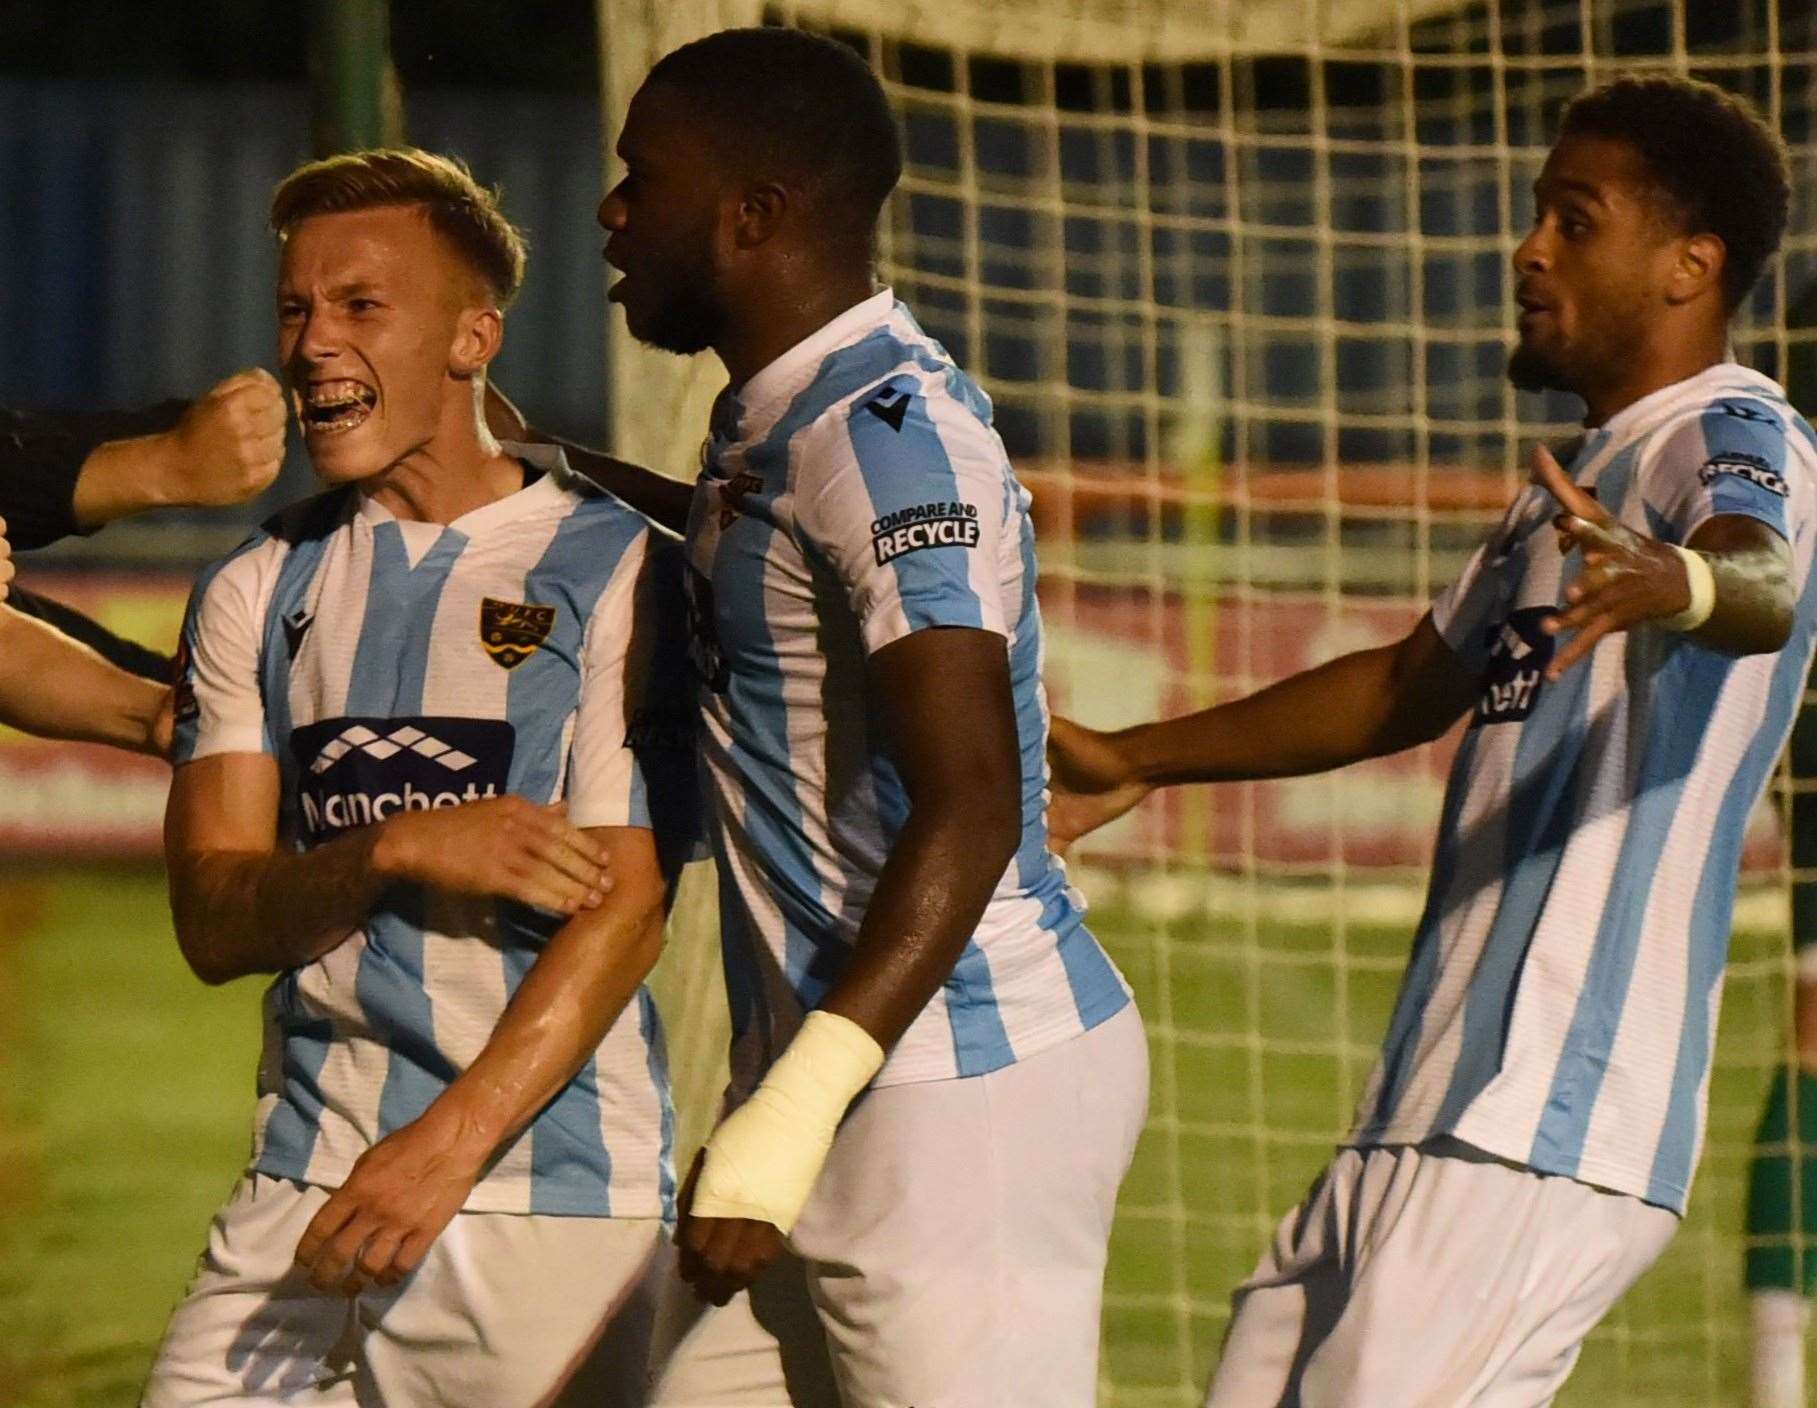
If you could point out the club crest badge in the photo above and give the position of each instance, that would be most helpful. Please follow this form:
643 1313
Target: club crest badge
510 631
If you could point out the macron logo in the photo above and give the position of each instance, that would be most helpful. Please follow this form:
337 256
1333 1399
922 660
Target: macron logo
382 746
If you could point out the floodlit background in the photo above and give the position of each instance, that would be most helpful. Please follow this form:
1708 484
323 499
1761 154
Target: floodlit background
1235 275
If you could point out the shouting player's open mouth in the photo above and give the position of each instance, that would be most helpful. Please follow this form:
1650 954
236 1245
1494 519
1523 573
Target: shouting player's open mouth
330 407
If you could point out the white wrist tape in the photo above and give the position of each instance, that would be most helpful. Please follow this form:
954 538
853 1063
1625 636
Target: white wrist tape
1703 592
762 1161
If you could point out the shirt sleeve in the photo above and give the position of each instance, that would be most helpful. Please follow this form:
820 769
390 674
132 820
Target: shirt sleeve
633 761
1731 459
220 704
909 501
1469 611
41 457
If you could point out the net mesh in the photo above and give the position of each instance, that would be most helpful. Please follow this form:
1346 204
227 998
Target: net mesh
1236 277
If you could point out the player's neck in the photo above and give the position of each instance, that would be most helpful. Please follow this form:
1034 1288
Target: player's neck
445 478
787 313
1669 361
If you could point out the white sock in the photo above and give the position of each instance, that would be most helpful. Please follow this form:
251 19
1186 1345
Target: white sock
1780 1319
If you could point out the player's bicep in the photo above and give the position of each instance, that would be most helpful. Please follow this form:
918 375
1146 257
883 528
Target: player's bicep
1741 533
949 717
224 803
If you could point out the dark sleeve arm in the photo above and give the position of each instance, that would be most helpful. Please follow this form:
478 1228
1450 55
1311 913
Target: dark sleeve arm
41 457
129 655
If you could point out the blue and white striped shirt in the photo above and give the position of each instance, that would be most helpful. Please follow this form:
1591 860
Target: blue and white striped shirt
854 492
535 646
1559 1007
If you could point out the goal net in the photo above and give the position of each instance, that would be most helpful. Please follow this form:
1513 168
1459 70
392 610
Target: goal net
1236 276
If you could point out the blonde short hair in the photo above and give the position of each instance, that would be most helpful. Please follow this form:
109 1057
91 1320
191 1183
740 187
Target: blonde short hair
462 211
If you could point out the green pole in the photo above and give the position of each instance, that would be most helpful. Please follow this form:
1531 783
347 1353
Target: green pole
354 99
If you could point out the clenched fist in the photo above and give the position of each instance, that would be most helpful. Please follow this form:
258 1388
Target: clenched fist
6 561
229 444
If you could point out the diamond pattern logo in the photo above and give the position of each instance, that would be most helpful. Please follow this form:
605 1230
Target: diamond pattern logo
382 746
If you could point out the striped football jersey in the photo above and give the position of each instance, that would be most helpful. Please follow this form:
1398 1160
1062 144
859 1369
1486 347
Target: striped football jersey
854 492
536 647
1559 1006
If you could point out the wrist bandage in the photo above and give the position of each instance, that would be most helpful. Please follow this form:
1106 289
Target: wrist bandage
1703 592
762 1161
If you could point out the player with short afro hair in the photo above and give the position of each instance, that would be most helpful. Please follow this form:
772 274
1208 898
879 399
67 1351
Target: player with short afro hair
825 123
1722 169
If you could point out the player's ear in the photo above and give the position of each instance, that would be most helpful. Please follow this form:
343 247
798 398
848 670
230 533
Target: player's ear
478 334
758 214
1697 268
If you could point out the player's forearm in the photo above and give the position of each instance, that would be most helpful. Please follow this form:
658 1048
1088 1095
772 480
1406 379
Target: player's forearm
238 913
945 865
55 687
123 477
560 1013
1753 612
1341 712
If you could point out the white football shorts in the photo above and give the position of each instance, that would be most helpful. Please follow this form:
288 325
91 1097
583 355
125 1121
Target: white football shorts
506 1311
1433 1276
952 1253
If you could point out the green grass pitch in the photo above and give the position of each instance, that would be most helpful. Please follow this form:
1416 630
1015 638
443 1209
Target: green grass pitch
126 1095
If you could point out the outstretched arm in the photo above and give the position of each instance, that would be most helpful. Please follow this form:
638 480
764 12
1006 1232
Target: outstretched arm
226 447
379 1224
56 687
244 905
1363 705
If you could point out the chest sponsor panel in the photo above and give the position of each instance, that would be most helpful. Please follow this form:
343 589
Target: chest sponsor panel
352 772
1519 652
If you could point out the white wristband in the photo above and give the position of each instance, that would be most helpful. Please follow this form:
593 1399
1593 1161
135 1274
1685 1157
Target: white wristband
1703 592
762 1161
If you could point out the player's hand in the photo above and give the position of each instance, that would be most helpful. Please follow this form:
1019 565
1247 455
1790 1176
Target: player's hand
1627 578
230 442
720 1256
6 561
1090 782
377 1226
505 847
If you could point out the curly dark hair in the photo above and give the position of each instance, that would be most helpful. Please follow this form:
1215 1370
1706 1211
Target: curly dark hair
1720 167
787 103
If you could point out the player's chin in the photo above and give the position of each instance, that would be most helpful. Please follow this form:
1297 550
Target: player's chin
337 463
1532 367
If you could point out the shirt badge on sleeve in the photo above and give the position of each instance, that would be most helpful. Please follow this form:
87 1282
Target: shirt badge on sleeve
510 631
942 525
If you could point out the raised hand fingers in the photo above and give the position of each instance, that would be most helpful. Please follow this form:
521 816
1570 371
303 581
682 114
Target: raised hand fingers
1550 476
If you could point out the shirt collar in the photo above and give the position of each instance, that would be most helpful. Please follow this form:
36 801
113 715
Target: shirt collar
1637 413
757 400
